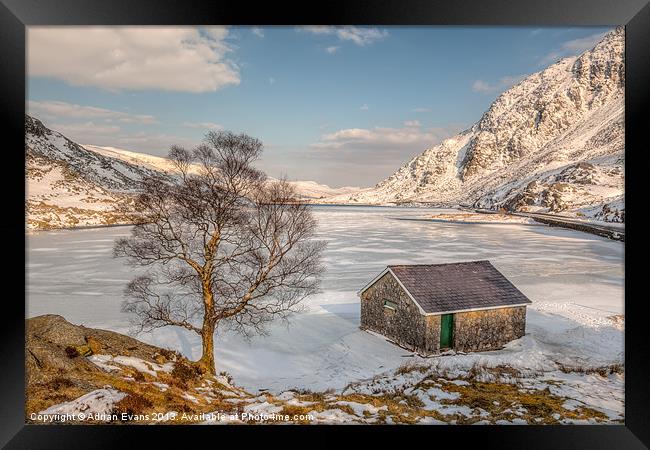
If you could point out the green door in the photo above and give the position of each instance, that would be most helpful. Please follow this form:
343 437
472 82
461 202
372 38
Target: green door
446 330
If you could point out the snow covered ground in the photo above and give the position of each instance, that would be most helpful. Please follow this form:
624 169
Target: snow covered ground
575 281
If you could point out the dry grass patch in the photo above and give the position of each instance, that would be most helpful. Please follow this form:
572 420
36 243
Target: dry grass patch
131 405
298 411
307 395
408 368
400 407
41 396
185 371
147 398
502 401
603 371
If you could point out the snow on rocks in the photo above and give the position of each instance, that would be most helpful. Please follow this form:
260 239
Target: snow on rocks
98 402
439 394
289 398
111 363
190 397
262 408
361 408
162 386
428 421
102 362
333 416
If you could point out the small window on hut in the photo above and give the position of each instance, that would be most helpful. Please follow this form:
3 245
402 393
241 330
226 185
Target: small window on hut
390 304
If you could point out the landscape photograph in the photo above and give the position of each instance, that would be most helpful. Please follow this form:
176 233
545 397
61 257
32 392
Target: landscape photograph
325 225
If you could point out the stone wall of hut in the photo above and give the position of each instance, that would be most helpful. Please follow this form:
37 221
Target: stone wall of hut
404 325
488 329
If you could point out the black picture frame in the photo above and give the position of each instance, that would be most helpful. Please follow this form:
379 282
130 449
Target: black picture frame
17 14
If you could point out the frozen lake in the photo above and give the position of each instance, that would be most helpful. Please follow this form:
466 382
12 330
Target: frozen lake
574 279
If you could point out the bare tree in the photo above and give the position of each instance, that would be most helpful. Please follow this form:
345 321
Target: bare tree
221 245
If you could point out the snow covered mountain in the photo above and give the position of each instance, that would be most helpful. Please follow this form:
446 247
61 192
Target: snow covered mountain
308 190
552 143
68 185
71 185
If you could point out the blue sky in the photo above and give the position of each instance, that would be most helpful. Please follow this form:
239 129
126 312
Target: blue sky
341 106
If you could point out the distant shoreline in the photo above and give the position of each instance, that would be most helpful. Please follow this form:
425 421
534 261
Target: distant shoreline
81 227
364 205
88 227
465 222
549 220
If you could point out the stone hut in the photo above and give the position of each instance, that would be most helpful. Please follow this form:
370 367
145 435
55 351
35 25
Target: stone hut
428 308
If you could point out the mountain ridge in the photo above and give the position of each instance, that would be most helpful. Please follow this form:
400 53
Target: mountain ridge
73 185
524 152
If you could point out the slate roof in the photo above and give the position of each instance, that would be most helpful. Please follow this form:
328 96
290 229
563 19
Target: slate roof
441 288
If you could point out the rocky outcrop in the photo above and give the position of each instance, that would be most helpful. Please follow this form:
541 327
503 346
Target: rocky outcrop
110 377
50 337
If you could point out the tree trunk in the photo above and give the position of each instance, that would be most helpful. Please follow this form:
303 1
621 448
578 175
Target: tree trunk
207 357
206 363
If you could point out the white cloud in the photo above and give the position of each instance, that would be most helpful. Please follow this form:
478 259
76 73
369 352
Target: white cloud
364 107
421 110
572 48
92 133
271 80
359 35
86 130
58 110
186 59
501 85
157 143
204 125
373 153
481 86
333 49
257 31
582 44
409 137
376 152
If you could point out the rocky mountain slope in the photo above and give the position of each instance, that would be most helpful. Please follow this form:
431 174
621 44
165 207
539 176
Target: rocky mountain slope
552 143
72 185
68 185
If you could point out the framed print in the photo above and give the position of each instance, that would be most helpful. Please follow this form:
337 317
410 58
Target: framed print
386 217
